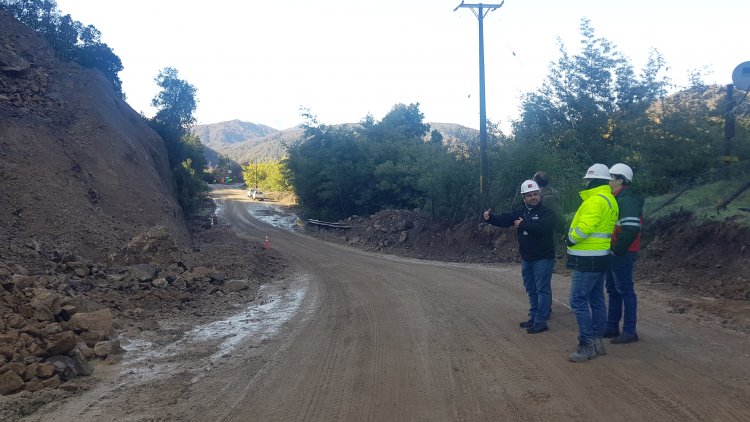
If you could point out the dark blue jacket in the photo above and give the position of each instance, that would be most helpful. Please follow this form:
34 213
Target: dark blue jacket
535 240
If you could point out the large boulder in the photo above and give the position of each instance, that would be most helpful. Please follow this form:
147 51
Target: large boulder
10 382
99 322
61 343
45 300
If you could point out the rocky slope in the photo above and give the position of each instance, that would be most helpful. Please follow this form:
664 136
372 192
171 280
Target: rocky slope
78 167
93 244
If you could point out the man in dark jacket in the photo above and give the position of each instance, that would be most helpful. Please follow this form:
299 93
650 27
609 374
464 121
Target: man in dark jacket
626 243
550 198
534 225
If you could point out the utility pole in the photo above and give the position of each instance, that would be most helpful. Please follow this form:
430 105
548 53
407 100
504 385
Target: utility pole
729 124
256 174
480 12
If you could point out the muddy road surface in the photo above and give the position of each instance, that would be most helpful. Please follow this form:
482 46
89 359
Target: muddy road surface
357 336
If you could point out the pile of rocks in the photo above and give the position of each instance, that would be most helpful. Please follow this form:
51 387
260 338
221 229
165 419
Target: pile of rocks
45 339
66 312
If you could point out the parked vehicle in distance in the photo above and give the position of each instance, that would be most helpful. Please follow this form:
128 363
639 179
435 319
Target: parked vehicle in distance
255 194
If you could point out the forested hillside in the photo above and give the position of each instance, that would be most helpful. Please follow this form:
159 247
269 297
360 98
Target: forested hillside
271 147
217 135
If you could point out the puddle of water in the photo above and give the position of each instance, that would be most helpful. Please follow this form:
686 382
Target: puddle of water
146 361
274 216
269 214
257 322
219 208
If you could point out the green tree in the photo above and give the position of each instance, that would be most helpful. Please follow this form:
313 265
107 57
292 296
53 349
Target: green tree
393 147
325 174
338 171
592 107
175 105
586 98
686 138
176 102
269 176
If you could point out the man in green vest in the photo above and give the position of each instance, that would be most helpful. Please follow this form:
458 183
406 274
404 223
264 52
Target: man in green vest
626 242
588 241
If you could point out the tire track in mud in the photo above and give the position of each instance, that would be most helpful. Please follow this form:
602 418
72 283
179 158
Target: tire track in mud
322 402
485 361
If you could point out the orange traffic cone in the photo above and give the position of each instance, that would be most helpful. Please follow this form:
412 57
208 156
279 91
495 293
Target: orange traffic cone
268 244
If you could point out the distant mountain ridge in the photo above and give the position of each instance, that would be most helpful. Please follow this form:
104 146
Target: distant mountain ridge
231 132
246 142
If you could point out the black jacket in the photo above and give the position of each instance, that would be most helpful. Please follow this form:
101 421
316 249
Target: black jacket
535 240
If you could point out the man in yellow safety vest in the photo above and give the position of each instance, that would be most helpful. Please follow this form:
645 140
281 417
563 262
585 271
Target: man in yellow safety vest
589 244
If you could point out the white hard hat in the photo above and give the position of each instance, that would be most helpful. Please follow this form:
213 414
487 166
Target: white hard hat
623 170
597 171
529 186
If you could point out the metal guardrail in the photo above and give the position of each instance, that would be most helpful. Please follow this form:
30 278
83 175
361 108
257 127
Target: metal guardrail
329 224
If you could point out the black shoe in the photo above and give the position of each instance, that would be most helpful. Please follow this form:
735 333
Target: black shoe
611 333
625 338
537 328
527 324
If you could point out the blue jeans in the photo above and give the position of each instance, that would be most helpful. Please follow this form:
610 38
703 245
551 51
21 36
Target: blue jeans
537 278
587 303
621 293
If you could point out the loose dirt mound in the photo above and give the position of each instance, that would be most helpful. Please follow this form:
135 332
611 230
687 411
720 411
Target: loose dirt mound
407 233
710 259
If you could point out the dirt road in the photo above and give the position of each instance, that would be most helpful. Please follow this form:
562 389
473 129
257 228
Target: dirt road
357 336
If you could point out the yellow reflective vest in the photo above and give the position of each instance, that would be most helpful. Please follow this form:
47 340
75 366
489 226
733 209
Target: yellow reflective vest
590 232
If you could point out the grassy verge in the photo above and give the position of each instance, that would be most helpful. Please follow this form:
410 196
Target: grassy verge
702 202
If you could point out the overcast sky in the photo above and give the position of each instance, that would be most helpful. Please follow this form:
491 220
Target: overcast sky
260 61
